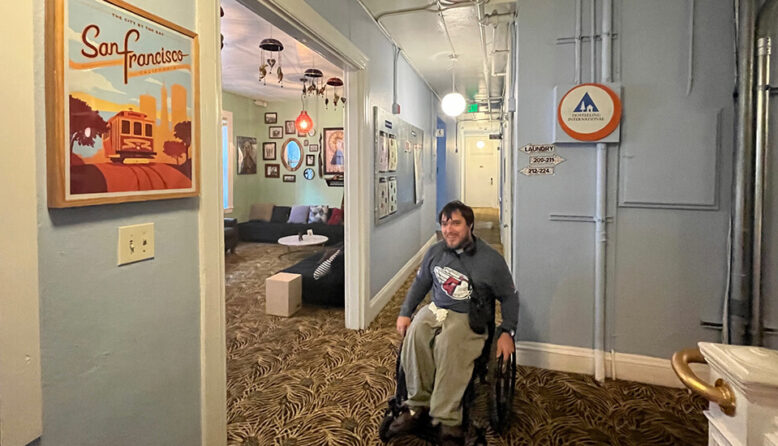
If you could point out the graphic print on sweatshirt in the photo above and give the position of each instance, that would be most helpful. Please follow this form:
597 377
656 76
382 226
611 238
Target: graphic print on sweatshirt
455 284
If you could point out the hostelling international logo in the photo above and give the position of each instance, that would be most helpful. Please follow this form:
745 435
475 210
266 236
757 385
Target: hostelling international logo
589 112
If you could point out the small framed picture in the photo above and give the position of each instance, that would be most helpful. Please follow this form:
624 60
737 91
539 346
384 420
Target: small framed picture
302 135
305 142
313 147
268 151
290 178
271 118
272 170
289 127
275 132
310 160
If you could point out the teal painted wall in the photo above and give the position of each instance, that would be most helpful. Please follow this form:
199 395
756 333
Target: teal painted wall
248 120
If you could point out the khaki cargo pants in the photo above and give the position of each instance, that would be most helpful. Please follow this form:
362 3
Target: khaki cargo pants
437 356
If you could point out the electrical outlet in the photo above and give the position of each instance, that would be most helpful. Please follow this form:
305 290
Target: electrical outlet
136 243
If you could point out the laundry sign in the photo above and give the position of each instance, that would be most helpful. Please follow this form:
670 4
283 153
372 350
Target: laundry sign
538 148
587 113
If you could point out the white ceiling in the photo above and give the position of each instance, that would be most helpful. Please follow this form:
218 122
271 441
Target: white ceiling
243 30
432 58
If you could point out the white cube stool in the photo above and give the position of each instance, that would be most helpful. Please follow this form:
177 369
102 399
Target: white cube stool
283 294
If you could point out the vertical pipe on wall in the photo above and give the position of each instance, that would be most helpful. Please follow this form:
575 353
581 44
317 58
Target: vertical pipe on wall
742 195
578 38
761 136
600 229
593 38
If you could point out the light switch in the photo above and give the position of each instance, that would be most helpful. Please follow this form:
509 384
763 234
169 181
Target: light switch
136 243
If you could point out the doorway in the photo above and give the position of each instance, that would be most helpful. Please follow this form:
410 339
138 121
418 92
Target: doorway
482 172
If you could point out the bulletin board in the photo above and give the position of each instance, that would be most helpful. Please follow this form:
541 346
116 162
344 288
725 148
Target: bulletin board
397 166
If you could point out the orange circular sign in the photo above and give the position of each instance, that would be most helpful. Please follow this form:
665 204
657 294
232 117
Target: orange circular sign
589 112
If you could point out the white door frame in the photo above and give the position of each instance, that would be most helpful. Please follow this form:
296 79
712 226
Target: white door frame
306 21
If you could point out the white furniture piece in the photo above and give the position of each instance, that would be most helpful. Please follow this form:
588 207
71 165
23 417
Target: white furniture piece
744 397
307 240
283 294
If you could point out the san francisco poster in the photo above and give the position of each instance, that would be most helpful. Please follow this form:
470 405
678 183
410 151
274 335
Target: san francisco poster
125 111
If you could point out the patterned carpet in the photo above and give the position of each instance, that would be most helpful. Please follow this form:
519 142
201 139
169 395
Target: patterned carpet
307 381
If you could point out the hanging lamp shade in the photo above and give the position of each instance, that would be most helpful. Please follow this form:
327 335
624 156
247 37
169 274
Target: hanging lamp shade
303 123
453 104
271 45
313 73
334 82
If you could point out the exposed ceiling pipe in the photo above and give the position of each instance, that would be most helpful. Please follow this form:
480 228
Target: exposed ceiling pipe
738 307
393 42
484 55
496 18
431 7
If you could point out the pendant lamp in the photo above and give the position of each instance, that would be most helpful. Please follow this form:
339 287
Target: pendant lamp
453 104
303 123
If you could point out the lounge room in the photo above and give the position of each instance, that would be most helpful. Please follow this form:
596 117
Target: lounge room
283 134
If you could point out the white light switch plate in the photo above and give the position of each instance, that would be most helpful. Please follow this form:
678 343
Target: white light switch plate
136 243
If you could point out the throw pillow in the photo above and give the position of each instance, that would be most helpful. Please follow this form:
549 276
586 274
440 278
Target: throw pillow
336 218
318 214
280 214
299 214
261 211
325 267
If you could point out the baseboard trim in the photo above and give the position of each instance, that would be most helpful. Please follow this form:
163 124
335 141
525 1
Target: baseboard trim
624 366
382 297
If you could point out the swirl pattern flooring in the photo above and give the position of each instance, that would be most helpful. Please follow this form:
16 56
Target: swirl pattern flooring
308 381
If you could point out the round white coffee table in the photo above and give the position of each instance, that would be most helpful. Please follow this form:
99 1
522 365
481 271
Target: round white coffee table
308 240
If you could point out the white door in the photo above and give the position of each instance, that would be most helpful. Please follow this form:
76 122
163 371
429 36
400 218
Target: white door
482 171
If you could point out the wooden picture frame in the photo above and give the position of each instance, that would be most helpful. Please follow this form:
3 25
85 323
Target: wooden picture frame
269 152
289 128
111 136
333 149
271 117
272 170
275 132
247 155
292 154
310 160
290 178
313 148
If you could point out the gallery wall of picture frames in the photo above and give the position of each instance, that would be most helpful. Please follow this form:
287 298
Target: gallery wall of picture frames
398 166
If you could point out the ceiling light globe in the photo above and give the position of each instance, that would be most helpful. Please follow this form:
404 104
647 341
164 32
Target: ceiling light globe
453 104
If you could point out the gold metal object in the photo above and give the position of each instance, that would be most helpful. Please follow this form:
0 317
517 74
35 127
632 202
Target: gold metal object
720 393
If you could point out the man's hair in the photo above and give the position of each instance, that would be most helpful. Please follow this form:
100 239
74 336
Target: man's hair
456 205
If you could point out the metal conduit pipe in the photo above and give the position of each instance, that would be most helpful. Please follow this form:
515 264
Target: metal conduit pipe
578 36
593 47
761 135
738 307
764 28
600 209
485 56
432 7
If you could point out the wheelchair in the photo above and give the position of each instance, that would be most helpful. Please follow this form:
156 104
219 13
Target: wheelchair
497 375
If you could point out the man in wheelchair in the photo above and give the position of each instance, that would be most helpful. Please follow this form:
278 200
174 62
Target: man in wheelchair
444 339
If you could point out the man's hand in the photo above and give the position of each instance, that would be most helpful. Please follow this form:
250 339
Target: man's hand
505 345
402 324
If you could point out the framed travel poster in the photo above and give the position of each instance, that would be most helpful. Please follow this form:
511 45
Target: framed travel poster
122 107
334 151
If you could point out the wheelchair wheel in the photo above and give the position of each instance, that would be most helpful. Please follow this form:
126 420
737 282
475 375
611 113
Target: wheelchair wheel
503 385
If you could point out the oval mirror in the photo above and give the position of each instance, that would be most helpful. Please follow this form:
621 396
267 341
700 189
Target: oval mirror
292 154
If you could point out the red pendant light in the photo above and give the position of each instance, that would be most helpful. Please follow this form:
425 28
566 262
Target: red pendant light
303 123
